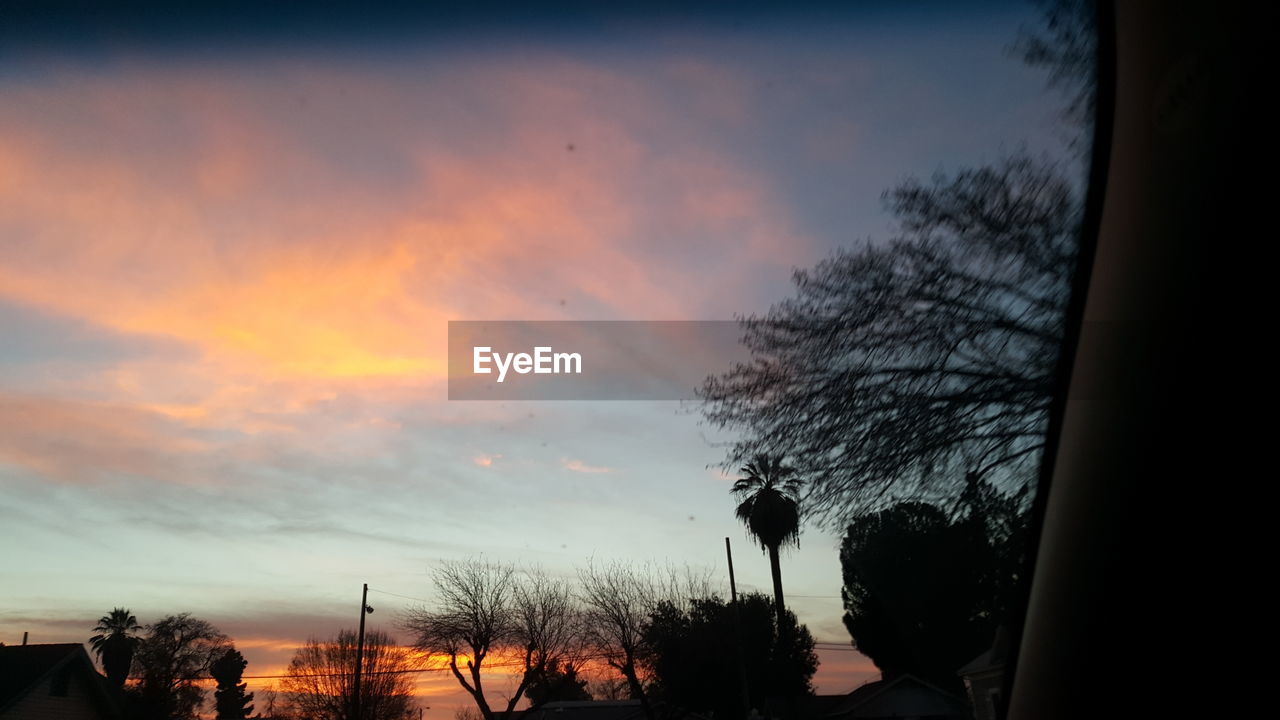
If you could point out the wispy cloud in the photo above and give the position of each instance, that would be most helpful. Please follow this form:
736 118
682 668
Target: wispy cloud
306 251
485 460
580 466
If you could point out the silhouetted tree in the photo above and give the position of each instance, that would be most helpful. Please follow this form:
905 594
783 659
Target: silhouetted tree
231 702
548 630
770 508
487 609
115 642
618 601
472 621
608 687
921 590
173 653
554 683
691 653
1065 45
1000 522
320 679
897 368
273 705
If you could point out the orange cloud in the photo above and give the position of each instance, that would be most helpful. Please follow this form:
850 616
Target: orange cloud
312 243
66 439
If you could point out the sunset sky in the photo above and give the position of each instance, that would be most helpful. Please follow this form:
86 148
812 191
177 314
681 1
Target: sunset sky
227 265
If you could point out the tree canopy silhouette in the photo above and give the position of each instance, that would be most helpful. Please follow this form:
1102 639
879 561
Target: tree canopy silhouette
619 602
770 508
556 682
231 702
925 589
898 368
691 651
173 653
115 642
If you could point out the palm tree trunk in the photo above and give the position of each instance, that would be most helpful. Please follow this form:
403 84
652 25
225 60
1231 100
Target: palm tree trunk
117 658
776 567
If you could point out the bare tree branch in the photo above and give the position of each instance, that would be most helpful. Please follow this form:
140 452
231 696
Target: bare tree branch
489 609
320 679
896 368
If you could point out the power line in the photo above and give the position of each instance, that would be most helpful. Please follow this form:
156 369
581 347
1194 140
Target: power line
405 671
406 597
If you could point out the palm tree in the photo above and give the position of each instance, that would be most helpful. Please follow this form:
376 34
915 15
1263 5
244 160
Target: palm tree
114 643
770 508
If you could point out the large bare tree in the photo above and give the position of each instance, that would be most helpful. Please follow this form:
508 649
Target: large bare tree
548 623
489 611
618 601
897 368
173 654
320 679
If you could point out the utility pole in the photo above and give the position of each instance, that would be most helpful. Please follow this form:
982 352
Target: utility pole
737 630
355 693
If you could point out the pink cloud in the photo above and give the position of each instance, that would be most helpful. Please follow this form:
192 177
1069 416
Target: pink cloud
78 441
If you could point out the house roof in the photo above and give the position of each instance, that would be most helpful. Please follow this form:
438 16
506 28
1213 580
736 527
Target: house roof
861 696
23 667
992 658
824 705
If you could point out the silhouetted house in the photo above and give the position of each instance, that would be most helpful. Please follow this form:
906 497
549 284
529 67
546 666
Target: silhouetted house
901 697
53 682
984 678
603 710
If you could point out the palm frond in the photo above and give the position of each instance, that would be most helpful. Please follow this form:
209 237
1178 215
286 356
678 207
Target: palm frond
769 494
